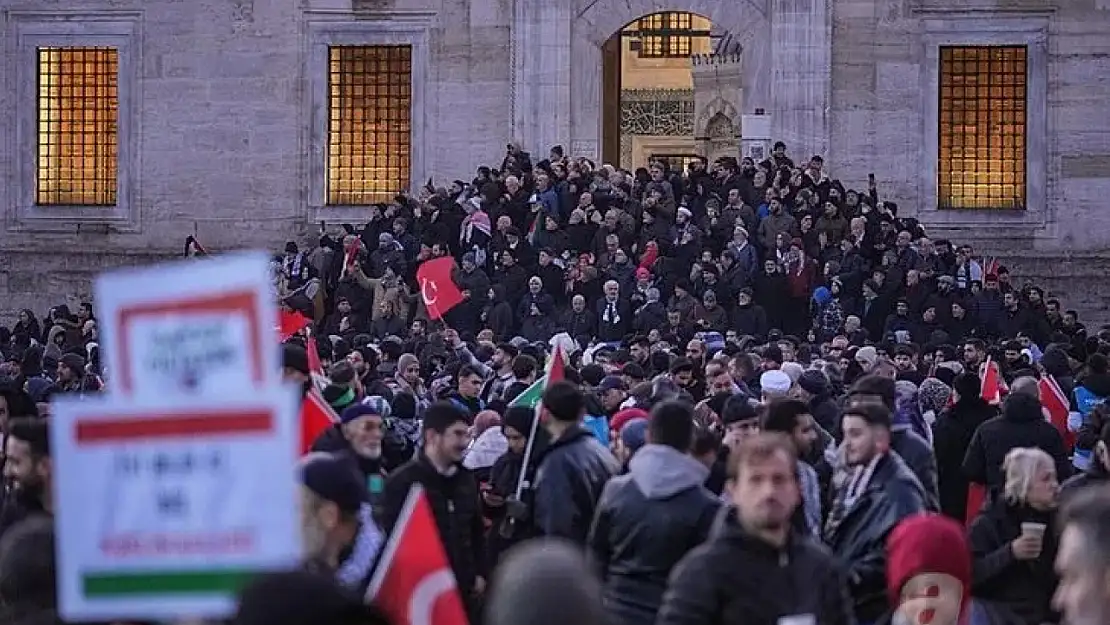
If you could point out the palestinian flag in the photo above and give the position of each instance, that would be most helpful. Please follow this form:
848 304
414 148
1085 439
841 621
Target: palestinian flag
531 396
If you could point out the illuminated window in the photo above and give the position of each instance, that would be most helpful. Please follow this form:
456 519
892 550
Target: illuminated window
78 111
666 35
369 123
982 127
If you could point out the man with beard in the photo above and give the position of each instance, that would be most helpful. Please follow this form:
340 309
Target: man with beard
878 493
337 524
1083 560
751 568
357 438
28 470
792 418
452 493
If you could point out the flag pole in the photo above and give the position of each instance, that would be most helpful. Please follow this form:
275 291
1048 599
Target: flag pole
528 447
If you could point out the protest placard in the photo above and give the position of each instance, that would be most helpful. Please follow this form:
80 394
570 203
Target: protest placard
189 328
166 509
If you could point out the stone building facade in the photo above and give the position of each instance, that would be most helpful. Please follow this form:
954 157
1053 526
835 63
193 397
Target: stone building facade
222 114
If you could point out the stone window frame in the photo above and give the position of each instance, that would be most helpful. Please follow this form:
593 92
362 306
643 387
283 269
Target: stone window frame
987 30
32 30
325 30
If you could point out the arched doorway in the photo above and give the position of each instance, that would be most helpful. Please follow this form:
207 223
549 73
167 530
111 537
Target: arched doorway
648 88
557 86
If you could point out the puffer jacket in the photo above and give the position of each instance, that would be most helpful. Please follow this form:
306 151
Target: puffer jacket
571 475
646 521
738 579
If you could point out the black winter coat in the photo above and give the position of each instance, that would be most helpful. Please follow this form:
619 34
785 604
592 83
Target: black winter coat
737 579
951 437
1024 588
646 521
571 474
457 509
918 456
1022 424
858 539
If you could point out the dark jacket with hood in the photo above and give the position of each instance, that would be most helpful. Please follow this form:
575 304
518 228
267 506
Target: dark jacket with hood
1022 588
952 435
646 521
571 475
738 579
1022 424
858 538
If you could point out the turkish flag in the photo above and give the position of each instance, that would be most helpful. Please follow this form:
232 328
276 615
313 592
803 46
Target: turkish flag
993 386
976 493
1057 407
437 289
290 323
413 583
316 417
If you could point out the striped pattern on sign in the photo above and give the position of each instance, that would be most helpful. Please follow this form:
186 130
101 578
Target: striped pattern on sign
145 427
161 583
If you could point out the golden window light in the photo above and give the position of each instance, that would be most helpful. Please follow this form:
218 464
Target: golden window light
981 147
666 35
369 123
78 115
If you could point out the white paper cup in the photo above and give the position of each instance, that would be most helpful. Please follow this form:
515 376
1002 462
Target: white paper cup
1033 529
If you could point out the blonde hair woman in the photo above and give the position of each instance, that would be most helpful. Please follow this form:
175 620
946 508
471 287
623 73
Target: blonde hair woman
1013 540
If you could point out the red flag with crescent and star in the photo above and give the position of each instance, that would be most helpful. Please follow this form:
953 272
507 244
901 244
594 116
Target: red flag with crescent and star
437 289
414 584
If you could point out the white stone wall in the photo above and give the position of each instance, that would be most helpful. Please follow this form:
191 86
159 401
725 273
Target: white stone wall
883 85
221 96
223 137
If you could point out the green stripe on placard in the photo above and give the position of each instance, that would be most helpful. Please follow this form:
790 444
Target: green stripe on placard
138 583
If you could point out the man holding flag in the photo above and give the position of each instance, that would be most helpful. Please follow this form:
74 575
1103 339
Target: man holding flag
452 495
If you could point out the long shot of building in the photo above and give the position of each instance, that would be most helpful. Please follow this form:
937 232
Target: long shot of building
127 125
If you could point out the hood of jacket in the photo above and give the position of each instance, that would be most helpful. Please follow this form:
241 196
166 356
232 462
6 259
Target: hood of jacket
661 472
1022 408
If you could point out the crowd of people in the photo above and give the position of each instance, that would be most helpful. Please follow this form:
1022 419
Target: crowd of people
781 403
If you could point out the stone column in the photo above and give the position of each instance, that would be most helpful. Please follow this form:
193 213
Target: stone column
541 51
801 39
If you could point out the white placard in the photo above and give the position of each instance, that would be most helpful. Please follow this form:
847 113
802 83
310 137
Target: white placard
189 328
166 508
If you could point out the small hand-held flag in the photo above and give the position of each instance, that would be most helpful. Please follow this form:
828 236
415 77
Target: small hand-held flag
413 583
316 418
993 387
532 397
290 322
350 255
1057 407
437 289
